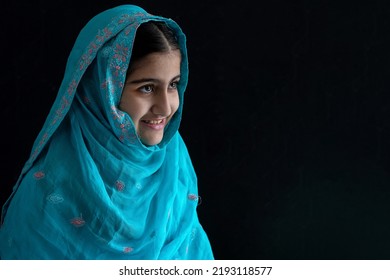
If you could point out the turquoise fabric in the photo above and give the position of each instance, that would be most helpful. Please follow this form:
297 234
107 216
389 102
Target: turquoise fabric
91 189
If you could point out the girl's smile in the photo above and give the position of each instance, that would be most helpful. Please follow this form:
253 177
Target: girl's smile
155 124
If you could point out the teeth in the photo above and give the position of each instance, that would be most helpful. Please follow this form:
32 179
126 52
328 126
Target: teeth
154 122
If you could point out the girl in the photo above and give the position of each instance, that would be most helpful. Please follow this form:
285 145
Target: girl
109 176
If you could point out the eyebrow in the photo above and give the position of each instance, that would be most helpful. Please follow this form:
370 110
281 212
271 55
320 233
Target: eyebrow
149 80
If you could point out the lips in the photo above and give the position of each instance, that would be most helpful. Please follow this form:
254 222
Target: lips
154 124
153 121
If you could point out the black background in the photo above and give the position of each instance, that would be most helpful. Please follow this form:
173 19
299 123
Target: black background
286 116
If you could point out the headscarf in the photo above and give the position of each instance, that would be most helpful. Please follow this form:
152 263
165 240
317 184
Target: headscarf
91 189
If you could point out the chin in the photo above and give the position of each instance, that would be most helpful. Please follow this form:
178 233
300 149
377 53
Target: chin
151 142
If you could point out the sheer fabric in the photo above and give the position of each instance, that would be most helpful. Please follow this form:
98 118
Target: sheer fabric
91 189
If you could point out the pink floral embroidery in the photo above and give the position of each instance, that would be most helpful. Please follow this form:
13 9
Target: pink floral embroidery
127 250
121 52
119 185
104 84
72 87
92 47
193 197
107 32
77 221
116 114
86 100
129 29
44 138
39 175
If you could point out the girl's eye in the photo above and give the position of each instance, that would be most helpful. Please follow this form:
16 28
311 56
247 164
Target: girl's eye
174 85
147 89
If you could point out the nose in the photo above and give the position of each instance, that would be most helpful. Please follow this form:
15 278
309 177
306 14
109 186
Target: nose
162 104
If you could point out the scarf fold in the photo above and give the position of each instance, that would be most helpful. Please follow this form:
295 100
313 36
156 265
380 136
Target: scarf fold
91 189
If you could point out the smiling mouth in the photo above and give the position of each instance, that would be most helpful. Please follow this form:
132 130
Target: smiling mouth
153 121
155 124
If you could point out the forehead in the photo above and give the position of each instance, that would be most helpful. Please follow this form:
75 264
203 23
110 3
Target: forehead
159 63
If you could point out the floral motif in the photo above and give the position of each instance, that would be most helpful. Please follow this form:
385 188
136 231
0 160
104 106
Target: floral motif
119 185
55 198
128 250
39 175
77 221
193 197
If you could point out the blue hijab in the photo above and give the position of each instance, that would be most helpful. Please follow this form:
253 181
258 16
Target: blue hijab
91 189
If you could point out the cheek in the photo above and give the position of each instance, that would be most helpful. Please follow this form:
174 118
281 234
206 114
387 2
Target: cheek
131 107
175 103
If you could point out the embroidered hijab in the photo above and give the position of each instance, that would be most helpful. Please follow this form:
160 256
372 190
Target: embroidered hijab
91 189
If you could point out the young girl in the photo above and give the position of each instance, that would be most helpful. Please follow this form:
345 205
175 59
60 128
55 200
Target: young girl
109 176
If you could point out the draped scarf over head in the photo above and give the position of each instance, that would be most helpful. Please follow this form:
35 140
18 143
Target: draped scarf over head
91 189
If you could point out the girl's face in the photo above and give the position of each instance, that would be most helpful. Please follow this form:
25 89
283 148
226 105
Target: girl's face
150 95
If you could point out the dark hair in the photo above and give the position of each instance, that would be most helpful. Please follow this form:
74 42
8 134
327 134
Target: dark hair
153 36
